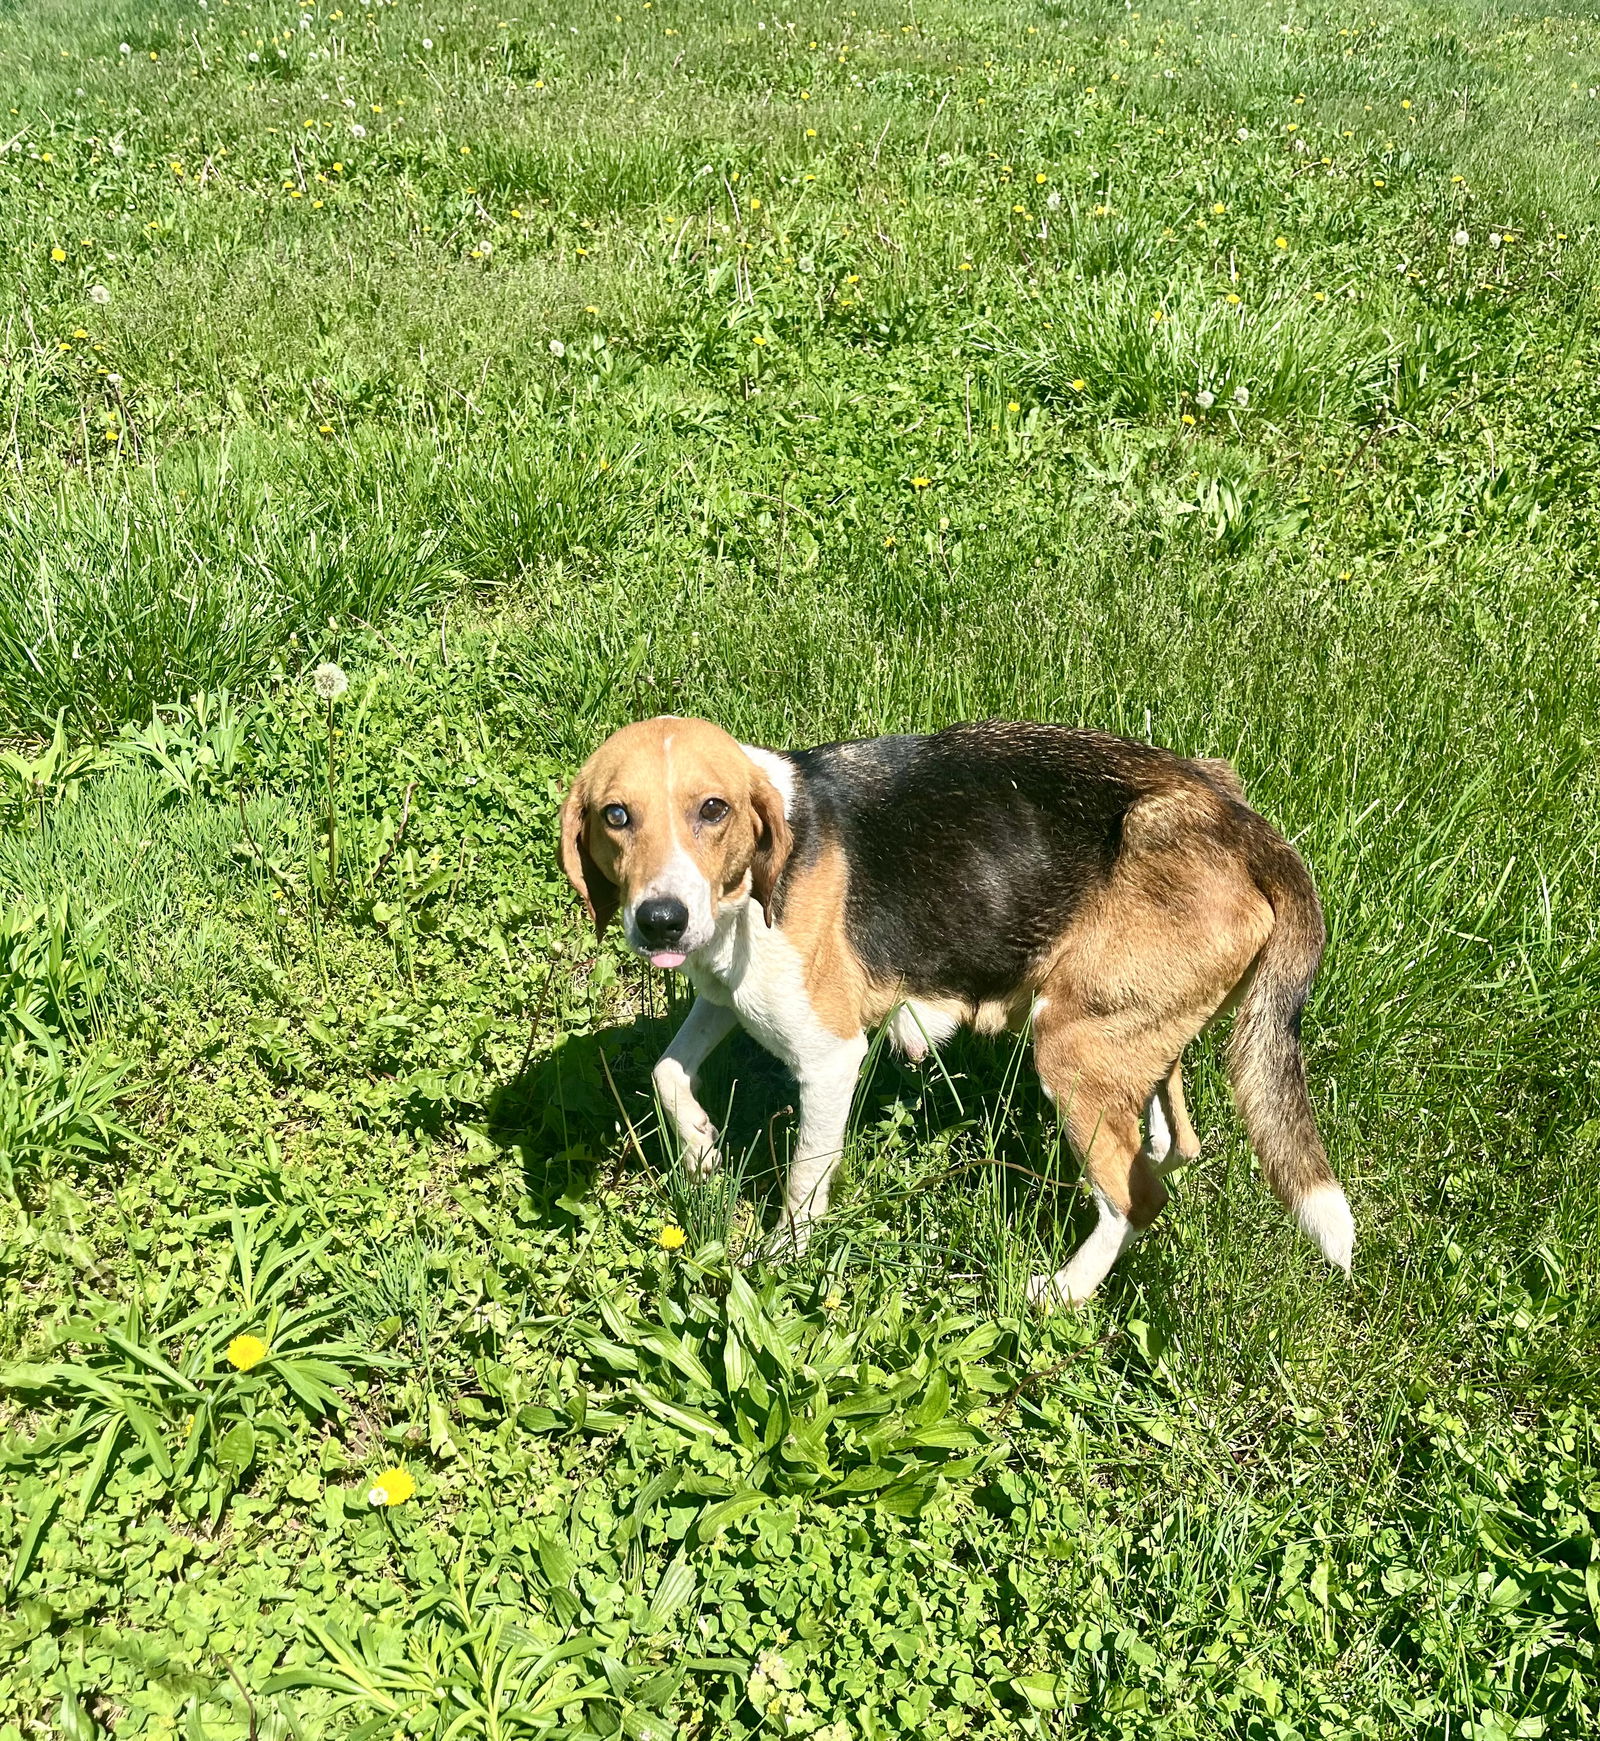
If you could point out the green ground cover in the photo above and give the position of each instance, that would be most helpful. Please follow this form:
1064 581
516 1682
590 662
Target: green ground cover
1225 375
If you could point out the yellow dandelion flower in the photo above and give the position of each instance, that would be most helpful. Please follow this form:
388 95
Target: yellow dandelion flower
1158 314
393 1487
1280 242
811 132
243 1351
1232 299
758 340
1405 102
1187 418
833 1302
920 483
965 266
1219 208
58 255
672 1237
1077 386
1041 178
1012 405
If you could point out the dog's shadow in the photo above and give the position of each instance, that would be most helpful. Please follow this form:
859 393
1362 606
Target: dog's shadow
581 1113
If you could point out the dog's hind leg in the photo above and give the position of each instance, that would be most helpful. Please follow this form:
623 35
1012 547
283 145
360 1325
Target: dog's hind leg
1101 1093
1182 1144
675 1077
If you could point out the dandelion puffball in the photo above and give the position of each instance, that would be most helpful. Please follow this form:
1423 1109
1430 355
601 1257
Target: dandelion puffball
329 681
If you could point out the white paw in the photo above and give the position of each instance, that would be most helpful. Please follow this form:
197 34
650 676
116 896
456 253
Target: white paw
1054 1293
701 1162
786 1242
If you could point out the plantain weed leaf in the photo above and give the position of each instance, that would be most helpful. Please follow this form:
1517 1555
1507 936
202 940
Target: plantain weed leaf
677 1585
37 1522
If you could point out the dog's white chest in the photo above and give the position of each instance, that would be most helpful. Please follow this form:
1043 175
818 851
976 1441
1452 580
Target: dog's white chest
755 971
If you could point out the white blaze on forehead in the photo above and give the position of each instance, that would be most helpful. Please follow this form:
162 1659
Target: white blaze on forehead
666 784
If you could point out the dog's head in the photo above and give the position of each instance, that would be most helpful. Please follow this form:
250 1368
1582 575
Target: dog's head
667 822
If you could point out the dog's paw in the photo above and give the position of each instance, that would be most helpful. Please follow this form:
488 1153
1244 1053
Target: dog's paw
1053 1293
783 1244
701 1163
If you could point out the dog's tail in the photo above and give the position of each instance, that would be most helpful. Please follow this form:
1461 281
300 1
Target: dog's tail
1265 1063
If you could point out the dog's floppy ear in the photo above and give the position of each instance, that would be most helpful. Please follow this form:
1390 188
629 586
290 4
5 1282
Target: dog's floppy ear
773 841
600 894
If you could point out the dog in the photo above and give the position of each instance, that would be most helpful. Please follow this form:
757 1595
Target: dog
1113 896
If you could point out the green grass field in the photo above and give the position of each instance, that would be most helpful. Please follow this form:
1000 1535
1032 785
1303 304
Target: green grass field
1227 375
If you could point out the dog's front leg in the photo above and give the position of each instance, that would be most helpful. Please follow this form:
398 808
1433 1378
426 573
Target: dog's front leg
827 1087
705 1027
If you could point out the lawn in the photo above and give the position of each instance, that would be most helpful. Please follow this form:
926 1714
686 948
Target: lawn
1225 375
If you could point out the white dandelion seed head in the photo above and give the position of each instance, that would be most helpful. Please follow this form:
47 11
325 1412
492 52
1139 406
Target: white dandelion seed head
806 263
376 1496
124 48
1205 400
1241 395
252 56
1242 134
113 380
98 293
1053 201
330 683
427 42
1460 239
357 131
557 349
1494 238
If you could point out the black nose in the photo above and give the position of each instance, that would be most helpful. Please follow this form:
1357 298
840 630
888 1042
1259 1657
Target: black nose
661 920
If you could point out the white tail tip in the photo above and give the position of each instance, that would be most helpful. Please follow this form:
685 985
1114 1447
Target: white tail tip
1325 1215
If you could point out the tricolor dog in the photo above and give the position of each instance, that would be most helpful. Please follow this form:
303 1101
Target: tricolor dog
1114 896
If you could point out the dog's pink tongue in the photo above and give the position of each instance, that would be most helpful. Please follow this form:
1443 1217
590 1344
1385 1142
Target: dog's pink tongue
666 958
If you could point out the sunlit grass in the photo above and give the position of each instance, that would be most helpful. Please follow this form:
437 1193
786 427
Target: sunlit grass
1224 376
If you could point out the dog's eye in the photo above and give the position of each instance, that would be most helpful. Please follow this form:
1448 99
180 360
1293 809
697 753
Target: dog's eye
713 810
616 815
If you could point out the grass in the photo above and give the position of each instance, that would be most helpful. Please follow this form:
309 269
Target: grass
1225 376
